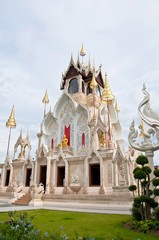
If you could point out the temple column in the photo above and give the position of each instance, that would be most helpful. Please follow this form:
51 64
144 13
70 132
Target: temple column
149 154
48 176
23 174
66 174
35 172
3 174
113 178
11 174
80 84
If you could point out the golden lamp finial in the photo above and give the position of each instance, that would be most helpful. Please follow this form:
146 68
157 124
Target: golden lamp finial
82 52
46 98
117 106
11 121
93 83
107 95
11 124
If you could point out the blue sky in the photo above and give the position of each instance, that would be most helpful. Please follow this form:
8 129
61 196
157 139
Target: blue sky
36 41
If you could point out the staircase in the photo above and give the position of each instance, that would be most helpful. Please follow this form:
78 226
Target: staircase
23 201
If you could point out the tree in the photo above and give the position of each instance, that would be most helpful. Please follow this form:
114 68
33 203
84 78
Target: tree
147 190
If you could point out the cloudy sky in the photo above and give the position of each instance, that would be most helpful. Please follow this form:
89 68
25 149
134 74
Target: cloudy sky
37 38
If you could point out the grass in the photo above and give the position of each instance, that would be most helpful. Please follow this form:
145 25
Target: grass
100 226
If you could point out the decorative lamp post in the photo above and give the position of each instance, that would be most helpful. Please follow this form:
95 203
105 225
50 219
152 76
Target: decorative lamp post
10 124
45 101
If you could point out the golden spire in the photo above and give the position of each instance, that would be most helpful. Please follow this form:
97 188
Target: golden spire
107 95
11 121
93 83
46 98
82 52
117 106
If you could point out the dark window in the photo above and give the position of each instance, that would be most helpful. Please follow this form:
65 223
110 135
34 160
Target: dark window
73 86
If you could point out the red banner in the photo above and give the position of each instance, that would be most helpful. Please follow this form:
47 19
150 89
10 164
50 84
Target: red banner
67 133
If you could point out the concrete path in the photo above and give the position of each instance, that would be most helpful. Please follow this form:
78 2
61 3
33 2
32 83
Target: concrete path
72 206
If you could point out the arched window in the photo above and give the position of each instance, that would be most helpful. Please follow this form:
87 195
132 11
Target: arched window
73 86
89 90
52 144
83 140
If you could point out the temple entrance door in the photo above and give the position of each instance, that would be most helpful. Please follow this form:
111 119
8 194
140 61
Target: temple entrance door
43 175
28 176
7 177
60 176
94 174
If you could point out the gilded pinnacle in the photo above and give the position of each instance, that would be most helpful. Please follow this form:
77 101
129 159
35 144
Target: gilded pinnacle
93 83
46 98
82 52
107 95
11 121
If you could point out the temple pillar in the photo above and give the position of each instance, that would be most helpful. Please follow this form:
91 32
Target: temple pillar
11 174
48 176
80 84
3 174
149 154
35 172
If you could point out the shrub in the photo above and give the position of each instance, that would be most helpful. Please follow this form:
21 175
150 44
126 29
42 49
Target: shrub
142 160
155 182
156 192
144 204
136 213
156 173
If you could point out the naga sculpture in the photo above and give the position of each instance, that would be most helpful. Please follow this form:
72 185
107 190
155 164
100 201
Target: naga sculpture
149 117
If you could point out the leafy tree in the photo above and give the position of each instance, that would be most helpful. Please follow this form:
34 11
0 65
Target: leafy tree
147 190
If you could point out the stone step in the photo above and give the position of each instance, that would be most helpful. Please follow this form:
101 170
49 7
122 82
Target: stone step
24 200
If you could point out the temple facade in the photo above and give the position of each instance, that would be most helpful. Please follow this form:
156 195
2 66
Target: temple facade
80 145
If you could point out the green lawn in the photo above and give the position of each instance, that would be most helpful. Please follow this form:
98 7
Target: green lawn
100 226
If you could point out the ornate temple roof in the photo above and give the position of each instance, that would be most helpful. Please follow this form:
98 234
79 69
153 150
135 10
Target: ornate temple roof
82 69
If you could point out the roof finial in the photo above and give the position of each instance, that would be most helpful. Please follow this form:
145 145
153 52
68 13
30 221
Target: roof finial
45 101
93 83
46 98
82 52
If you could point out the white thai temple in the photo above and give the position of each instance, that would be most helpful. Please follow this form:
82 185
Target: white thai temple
80 152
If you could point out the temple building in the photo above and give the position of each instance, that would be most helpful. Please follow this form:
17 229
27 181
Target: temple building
80 150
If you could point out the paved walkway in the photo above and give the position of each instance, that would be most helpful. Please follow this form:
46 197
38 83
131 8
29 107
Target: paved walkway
72 206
